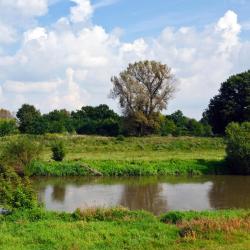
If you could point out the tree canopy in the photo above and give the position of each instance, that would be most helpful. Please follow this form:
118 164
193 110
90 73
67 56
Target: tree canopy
143 90
232 104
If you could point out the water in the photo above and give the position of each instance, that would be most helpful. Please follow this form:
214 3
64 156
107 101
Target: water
154 194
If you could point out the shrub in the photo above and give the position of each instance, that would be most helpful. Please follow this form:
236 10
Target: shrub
238 147
58 151
20 152
120 138
15 192
7 127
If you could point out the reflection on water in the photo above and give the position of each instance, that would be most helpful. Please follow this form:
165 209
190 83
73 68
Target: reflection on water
157 195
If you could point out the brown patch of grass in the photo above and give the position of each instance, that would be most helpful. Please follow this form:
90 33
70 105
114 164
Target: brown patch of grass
205 228
105 214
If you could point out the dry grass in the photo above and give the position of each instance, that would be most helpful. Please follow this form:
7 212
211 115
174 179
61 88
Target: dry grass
206 228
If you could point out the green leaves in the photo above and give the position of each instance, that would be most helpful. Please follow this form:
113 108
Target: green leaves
238 147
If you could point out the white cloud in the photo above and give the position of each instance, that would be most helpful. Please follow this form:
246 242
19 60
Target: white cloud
104 3
25 7
82 12
8 34
35 34
84 57
229 28
31 87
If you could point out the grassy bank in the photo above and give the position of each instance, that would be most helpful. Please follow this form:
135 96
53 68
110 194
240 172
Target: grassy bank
127 168
122 229
131 156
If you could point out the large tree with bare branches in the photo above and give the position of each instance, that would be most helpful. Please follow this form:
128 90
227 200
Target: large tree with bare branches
144 90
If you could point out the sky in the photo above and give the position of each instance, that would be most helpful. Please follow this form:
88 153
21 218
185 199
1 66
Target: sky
62 53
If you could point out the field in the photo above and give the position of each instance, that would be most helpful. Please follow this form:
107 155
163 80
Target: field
130 156
119 228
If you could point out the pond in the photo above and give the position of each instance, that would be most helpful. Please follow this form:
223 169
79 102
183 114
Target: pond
154 194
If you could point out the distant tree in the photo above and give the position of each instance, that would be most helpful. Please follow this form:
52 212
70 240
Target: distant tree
232 104
167 127
185 126
181 123
7 127
238 147
144 90
5 114
59 121
30 120
97 120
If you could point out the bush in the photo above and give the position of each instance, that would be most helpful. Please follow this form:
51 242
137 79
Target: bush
7 127
238 147
15 192
20 152
58 151
120 138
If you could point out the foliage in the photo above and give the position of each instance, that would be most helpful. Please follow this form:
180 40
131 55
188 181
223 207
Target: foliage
15 193
20 152
232 104
59 121
58 151
167 126
97 120
238 147
179 125
143 90
5 114
30 120
7 127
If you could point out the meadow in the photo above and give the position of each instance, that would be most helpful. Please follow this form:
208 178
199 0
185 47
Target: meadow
119 228
129 156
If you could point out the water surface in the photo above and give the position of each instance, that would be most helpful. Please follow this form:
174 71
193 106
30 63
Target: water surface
154 194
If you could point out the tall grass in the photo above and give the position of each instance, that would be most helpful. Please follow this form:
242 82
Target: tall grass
119 228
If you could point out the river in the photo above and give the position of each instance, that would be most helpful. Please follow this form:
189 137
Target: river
154 194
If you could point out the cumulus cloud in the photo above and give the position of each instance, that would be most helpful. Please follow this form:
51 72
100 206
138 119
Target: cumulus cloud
82 12
35 34
229 28
82 59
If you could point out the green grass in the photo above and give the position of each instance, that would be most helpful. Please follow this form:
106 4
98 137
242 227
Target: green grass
132 156
119 228
127 168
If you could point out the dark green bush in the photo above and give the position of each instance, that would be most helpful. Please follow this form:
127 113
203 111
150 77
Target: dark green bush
20 152
120 138
15 192
238 148
58 151
7 127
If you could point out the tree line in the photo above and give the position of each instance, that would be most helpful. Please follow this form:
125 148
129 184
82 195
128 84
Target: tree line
100 120
143 90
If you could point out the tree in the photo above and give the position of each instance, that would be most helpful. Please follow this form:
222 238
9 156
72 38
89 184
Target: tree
5 114
59 121
7 127
144 90
19 152
232 104
30 120
238 147
97 120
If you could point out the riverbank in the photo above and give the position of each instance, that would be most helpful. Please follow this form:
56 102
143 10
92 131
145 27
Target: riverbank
119 228
127 168
110 156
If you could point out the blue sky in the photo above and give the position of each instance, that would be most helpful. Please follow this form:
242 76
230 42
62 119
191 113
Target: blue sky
147 18
62 53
